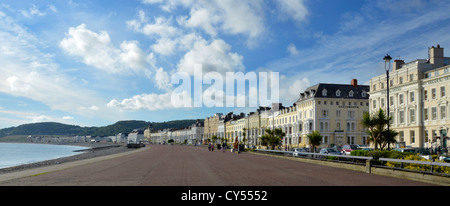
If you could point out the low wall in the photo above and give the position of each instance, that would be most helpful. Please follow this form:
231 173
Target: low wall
428 178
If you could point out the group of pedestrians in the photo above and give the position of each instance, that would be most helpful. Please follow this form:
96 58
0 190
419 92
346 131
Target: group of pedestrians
223 148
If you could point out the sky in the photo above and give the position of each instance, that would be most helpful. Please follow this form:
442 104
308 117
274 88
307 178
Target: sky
93 63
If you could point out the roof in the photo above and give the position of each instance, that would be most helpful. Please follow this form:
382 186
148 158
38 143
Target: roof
340 91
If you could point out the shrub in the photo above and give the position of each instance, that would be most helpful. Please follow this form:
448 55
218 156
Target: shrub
377 154
419 167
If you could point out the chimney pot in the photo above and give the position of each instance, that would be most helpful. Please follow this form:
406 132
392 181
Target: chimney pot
354 83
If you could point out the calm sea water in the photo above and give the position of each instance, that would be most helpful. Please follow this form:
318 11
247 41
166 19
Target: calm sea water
13 154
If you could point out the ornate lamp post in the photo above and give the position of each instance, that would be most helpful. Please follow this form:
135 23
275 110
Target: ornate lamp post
387 66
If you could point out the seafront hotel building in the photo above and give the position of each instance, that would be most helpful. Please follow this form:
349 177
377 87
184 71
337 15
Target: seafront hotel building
419 94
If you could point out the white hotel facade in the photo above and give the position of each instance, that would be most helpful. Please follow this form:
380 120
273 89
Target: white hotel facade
419 95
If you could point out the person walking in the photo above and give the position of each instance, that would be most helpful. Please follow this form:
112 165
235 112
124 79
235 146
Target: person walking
209 146
224 146
212 147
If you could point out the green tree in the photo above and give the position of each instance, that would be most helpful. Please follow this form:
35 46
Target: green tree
272 138
376 125
214 138
388 138
244 139
314 139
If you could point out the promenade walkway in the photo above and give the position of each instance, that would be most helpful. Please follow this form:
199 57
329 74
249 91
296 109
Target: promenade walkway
165 165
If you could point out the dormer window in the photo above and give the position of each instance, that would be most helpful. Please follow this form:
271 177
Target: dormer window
363 94
350 93
324 92
338 93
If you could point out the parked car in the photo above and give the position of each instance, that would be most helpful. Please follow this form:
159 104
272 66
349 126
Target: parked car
446 159
412 150
297 151
347 149
331 151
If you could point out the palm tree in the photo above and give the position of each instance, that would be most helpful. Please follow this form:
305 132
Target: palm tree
314 139
376 125
273 137
214 139
388 138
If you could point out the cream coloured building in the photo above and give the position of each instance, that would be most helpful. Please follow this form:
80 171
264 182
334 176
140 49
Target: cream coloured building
418 99
335 110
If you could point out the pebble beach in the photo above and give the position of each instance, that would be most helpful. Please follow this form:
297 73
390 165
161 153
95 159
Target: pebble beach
92 150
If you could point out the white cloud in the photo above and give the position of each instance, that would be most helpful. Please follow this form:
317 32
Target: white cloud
96 49
292 49
162 79
28 72
291 87
152 102
33 11
67 117
293 9
215 56
162 27
230 17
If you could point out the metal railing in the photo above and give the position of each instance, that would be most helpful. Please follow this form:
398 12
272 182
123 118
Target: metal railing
402 162
317 155
361 160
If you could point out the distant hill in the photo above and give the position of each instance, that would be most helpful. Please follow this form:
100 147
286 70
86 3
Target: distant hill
54 128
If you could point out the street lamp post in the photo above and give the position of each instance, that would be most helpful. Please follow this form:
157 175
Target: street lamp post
387 66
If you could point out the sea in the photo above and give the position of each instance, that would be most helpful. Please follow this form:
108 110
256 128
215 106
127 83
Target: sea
14 154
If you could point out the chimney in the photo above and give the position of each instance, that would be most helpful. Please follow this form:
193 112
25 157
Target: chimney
436 56
354 83
397 64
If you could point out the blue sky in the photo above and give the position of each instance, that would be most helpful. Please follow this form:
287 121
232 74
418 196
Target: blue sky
93 63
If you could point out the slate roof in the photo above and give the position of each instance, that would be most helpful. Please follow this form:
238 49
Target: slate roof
317 91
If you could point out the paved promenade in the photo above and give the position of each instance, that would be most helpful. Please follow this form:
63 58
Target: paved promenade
165 165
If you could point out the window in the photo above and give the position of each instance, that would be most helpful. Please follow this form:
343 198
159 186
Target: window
425 113
400 80
411 77
338 113
433 93
391 82
411 97
402 117
443 112
436 73
400 99
425 94
391 101
412 135
338 92
324 92
426 136
338 126
374 104
382 103
325 140
401 136
325 113
443 91
351 114
412 115
350 93
433 113
363 94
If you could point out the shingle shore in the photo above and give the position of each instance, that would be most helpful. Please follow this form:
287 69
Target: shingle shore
95 150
